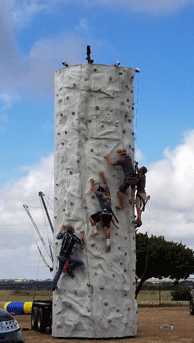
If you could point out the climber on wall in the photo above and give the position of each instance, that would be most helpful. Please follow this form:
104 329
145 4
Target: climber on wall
68 240
140 194
105 215
130 176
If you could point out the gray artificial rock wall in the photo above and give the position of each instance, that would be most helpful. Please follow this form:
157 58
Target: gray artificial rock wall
93 117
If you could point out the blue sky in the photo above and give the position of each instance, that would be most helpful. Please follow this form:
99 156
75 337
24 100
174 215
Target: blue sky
37 35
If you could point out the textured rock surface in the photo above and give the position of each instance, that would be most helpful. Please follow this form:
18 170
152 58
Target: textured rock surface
93 117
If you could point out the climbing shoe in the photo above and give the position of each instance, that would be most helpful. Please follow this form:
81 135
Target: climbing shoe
137 222
70 272
54 288
108 248
119 208
93 234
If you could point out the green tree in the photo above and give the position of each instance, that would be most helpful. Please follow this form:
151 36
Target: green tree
159 258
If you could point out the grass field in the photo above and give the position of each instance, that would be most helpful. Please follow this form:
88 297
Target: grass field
24 295
163 296
144 297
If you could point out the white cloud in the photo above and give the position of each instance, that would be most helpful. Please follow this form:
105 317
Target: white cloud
16 231
170 183
139 157
24 11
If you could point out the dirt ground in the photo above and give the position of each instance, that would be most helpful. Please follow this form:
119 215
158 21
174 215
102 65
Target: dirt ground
149 323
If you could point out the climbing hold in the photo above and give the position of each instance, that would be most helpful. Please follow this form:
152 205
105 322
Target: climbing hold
110 78
109 320
63 210
74 84
95 69
62 143
97 107
73 113
65 132
124 131
101 288
56 184
122 102
125 270
71 203
125 253
67 97
127 100
129 120
117 310
113 275
59 133
120 73
71 173
126 115
61 114
106 303
91 150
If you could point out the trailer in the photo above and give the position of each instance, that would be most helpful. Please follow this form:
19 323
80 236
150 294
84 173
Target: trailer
41 315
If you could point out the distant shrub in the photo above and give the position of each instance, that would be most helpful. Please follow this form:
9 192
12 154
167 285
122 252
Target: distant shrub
181 293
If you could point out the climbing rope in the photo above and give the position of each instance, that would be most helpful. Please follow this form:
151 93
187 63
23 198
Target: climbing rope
137 108
96 121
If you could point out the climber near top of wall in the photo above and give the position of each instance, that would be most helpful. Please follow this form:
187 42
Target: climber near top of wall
105 216
130 176
68 240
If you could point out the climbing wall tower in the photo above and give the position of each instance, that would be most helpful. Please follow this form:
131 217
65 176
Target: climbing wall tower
94 117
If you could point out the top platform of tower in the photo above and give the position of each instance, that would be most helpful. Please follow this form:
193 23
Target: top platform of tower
94 66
